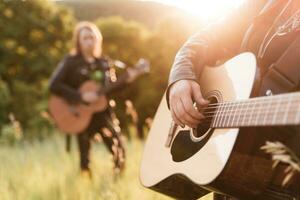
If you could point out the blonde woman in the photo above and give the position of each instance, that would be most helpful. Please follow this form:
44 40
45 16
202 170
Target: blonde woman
84 61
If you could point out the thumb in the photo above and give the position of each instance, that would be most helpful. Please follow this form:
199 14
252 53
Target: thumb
197 95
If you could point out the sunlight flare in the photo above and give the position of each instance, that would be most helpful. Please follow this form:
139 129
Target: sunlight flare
206 10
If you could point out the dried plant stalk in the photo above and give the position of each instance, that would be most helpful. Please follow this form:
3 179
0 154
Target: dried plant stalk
281 153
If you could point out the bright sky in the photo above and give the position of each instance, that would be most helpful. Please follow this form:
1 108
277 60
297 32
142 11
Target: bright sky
205 9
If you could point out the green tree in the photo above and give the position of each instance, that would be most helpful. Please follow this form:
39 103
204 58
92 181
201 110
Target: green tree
34 36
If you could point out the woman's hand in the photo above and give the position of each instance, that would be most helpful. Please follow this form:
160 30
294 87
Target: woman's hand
132 74
181 96
89 97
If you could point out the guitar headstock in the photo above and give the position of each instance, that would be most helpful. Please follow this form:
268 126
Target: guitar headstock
142 66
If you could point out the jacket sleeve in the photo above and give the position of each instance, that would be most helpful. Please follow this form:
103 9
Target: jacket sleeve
111 87
217 42
58 84
118 85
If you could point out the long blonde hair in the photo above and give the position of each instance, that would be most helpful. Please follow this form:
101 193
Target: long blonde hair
92 27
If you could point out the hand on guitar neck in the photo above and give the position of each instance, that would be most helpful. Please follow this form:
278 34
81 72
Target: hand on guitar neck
142 66
132 75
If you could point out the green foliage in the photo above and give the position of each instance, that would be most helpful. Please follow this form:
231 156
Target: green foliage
7 134
123 39
5 99
34 36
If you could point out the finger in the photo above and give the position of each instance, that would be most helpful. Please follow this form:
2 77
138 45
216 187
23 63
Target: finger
192 122
184 117
190 108
176 120
197 95
174 114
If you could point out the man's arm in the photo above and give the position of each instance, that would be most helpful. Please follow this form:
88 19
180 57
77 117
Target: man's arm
217 42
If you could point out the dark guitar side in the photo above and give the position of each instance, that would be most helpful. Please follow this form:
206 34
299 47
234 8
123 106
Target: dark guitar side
259 174
179 187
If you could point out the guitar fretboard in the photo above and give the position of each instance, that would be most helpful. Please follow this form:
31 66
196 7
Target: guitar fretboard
274 110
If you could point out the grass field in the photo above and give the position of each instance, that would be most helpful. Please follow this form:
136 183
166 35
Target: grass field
43 170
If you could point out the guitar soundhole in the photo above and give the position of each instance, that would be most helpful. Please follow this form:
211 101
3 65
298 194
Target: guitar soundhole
203 127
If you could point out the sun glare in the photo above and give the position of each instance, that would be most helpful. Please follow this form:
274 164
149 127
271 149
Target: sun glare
205 10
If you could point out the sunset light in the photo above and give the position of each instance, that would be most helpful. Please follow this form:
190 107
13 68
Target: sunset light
205 9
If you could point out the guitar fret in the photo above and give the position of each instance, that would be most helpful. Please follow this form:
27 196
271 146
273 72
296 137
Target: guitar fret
276 112
258 113
267 113
225 115
297 118
239 113
219 110
220 115
235 109
245 114
294 107
252 107
216 116
287 109
229 115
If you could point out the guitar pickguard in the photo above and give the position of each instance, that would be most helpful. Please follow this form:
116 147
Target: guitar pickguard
184 147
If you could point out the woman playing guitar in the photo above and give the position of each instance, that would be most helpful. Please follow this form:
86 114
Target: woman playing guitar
85 62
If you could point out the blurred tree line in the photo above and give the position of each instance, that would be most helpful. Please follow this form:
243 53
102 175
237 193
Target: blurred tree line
36 34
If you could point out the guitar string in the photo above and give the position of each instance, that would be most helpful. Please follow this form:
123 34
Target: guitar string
262 113
257 100
250 115
266 120
249 123
279 106
246 103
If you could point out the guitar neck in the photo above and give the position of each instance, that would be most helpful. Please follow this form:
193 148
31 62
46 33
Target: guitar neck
141 67
114 85
274 110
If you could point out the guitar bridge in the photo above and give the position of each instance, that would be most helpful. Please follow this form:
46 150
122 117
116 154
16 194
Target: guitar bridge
171 134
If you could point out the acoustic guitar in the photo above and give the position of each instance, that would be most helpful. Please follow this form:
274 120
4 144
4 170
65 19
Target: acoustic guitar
74 118
223 154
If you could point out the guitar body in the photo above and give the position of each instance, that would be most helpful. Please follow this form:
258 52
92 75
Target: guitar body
227 161
71 118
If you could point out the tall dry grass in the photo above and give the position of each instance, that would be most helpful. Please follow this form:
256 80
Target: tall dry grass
43 170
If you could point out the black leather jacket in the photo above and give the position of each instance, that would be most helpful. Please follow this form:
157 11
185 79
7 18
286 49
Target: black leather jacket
72 71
